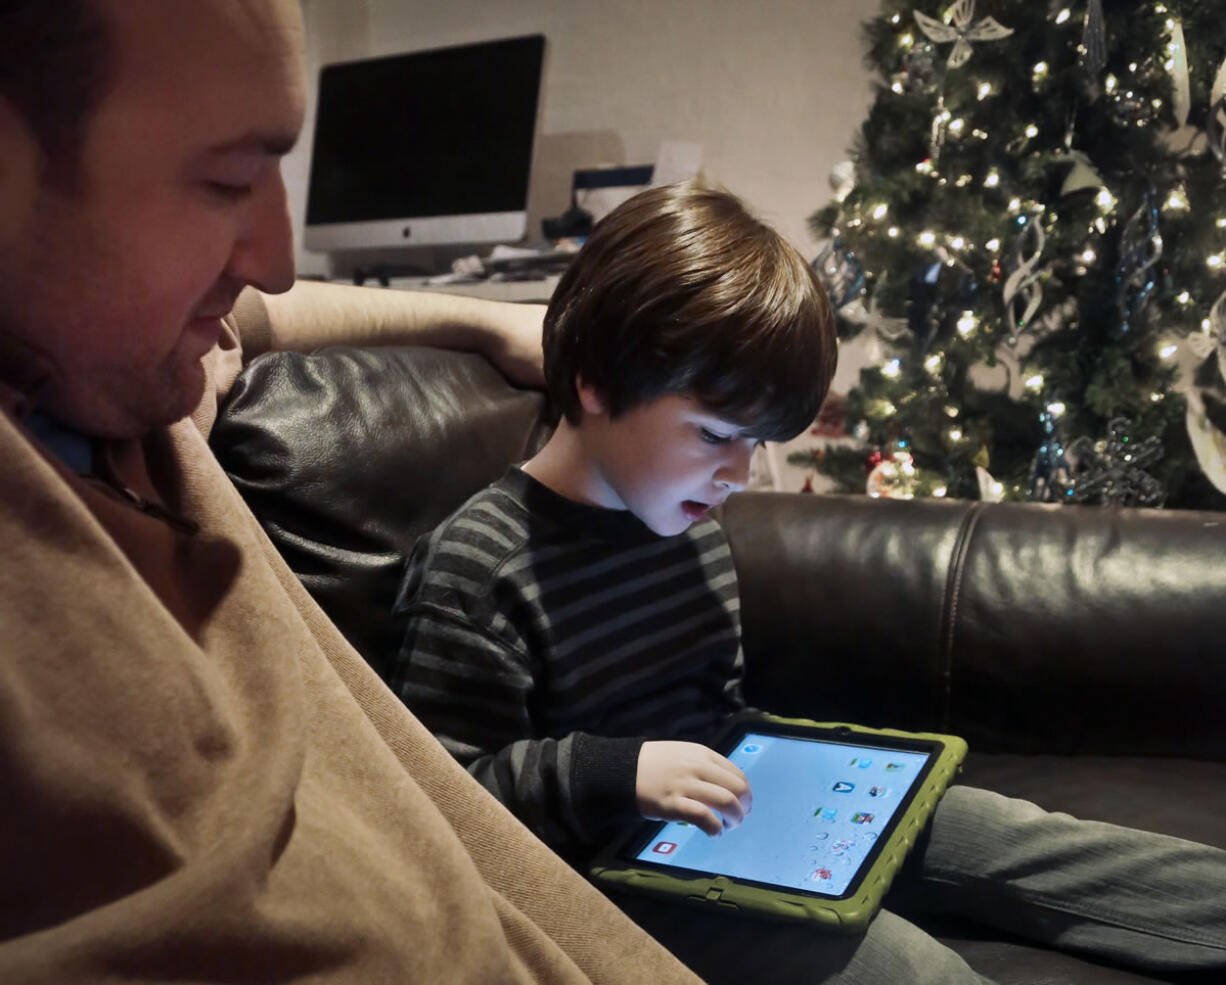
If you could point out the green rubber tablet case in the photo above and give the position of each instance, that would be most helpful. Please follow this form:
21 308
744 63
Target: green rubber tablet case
849 913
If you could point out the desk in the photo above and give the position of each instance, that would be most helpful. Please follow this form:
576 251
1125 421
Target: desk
490 290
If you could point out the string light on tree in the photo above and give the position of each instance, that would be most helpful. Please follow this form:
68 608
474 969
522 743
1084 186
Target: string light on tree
1110 178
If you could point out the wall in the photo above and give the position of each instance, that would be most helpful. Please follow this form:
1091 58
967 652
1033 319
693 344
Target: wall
773 91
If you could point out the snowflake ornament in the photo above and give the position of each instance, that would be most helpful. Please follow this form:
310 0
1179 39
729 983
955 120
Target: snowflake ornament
963 31
1116 474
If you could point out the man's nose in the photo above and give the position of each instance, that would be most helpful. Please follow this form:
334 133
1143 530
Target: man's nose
263 256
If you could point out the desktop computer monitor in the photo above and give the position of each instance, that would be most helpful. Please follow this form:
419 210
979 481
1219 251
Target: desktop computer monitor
426 148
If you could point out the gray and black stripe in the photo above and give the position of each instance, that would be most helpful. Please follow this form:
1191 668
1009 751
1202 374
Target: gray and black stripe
546 639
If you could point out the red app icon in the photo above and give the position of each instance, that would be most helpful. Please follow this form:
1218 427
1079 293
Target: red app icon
665 847
820 874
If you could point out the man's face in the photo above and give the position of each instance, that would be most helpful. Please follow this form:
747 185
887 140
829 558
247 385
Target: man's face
120 281
668 460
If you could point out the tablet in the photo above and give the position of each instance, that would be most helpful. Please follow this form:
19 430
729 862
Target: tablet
836 809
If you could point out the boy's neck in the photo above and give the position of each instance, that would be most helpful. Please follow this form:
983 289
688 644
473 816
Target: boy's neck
564 467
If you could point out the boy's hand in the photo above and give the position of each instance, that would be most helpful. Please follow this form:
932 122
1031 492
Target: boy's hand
685 781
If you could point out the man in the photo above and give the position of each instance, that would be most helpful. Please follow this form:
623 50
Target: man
201 780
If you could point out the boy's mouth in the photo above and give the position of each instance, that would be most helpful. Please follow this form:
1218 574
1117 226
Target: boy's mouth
695 510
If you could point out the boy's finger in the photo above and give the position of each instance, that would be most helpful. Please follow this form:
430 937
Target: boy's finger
702 817
729 776
724 801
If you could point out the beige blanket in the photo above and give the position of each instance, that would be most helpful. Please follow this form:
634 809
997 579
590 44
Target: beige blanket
202 781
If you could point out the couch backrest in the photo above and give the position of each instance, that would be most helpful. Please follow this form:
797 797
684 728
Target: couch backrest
1022 627
347 455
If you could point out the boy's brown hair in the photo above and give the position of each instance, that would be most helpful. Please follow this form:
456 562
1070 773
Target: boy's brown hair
681 291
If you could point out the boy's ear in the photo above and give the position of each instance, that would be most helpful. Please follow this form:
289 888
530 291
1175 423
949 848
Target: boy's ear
589 397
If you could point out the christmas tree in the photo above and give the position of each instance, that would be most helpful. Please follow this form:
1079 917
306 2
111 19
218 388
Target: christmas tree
1033 233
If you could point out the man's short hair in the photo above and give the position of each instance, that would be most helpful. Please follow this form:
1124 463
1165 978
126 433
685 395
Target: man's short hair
56 64
681 291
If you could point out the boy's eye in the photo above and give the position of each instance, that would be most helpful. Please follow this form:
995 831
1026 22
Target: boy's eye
711 438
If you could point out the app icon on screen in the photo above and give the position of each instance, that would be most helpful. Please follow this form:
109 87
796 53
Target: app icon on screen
820 875
842 786
878 791
860 817
750 748
894 767
826 814
841 846
665 847
861 762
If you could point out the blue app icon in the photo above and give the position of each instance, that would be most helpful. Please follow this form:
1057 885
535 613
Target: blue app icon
842 786
750 748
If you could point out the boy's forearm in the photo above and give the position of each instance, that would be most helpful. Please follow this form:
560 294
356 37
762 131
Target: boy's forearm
571 792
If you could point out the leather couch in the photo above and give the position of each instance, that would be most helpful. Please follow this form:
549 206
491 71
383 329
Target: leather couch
1079 650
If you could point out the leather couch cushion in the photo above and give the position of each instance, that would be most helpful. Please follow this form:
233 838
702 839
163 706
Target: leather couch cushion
1021 627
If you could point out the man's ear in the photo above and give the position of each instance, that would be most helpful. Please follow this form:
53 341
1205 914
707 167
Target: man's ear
589 397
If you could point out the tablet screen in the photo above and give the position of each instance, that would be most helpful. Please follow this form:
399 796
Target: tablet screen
819 810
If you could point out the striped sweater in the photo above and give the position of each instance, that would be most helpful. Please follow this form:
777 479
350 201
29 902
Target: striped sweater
547 639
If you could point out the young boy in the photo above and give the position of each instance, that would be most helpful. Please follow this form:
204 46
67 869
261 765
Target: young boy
573 630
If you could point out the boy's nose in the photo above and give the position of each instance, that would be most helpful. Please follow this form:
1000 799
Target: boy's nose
733 474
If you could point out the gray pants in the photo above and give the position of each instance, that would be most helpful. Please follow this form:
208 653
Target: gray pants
1131 897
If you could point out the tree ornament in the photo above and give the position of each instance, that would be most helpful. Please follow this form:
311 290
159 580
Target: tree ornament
1180 81
1208 443
840 272
1023 294
1131 108
1094 40
831 420
842 179
1113 472
869 316
990 490
1216 127
962 32
1082 176
894 477
1140 248
940 292
921 67
1217 332
1049 473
